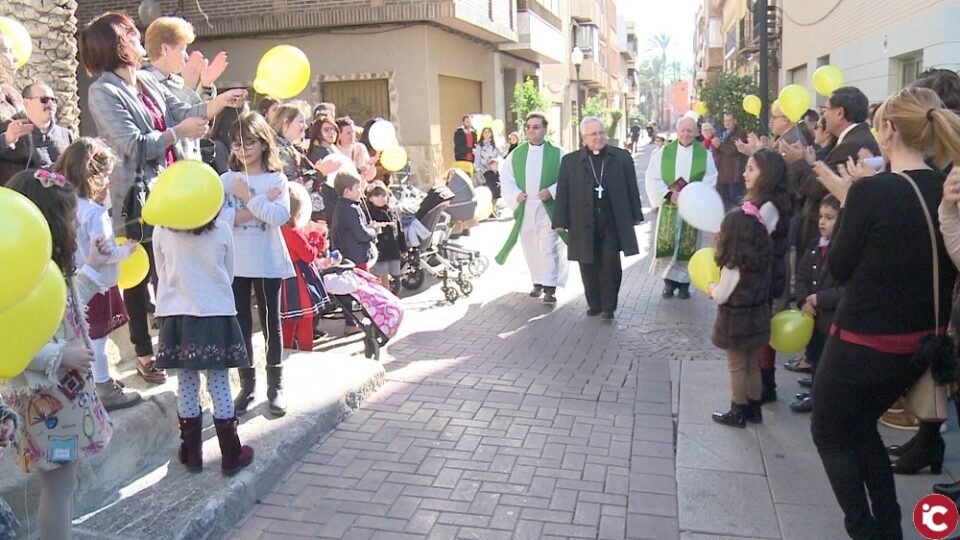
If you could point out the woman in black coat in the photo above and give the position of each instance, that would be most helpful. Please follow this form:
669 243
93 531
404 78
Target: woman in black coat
598 204
882 255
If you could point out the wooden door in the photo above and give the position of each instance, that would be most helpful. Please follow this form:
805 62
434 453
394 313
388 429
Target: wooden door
360 100
458 97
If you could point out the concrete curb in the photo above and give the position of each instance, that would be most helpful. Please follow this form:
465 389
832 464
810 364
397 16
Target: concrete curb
171 503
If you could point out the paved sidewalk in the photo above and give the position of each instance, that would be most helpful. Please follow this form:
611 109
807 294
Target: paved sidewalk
506 418
503 417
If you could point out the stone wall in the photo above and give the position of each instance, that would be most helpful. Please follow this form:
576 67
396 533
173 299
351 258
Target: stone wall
53 27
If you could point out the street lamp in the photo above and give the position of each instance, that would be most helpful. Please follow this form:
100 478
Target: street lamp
576 58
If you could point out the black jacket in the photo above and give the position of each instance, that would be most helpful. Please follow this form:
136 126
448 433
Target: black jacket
574 208
814 277
350 233
390 242
33 151
881 253
743 321
808 191
461 150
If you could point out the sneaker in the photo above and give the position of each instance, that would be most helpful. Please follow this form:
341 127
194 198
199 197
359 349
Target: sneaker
549 298
536 291
114 397
797 365
805 382
901 420
683 293
607 316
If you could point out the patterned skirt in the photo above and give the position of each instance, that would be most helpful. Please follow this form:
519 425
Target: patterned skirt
188 342
304 295
106 312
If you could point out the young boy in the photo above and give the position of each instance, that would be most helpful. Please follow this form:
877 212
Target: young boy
817 294
349 231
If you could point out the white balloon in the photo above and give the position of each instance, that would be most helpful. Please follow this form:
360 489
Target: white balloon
701 206
345 165
383 135
483 194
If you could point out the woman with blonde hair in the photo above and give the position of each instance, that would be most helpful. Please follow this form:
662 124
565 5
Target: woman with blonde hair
888 308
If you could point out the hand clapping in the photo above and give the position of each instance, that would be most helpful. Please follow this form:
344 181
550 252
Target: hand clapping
951 188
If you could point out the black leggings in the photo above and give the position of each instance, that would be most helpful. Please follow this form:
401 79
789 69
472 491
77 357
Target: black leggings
137 301
267 291
854 386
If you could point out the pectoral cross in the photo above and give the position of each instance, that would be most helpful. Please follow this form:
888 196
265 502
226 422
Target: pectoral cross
599 190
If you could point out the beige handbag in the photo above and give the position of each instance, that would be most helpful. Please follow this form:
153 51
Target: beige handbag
926 399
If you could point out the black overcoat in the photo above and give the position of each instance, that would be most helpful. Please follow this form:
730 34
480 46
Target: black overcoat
575 199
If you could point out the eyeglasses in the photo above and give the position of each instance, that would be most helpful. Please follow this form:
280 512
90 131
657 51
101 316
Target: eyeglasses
329 130
531 127
45 99
247 144
595 134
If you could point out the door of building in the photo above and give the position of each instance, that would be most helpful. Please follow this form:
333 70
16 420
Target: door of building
360 100
458 97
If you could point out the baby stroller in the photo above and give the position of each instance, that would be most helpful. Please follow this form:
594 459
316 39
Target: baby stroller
426 256
381 311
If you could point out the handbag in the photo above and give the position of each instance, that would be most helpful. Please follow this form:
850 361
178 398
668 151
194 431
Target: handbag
133 201
936 354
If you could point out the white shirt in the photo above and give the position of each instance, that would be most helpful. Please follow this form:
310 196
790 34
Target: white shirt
260 249
194 272
533 170
93 221
844 133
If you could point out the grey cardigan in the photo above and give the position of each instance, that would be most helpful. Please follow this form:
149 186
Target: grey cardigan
124 123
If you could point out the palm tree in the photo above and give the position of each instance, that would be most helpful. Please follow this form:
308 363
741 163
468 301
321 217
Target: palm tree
661 42
648 78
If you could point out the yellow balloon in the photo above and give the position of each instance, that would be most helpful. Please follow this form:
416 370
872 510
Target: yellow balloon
19 37
283 72
794 101
790 331
25 247
27 326
700 108
394 158
826 79
752 104
497 126
465 166
775 105
484 210
187 195
703 268
134 268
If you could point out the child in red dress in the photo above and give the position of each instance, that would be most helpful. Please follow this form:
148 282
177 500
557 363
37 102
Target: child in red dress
302 297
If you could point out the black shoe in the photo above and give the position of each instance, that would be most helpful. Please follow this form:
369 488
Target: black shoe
948 490
802 405
801 395
806 382
683 292
607 316
734 417
898 450
920 457
667 291
549 298
753 413
536 291
592 312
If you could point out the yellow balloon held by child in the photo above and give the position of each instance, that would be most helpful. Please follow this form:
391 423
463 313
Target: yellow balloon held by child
27 326
790 331
283 72
25 247
134 268
187 195
703 269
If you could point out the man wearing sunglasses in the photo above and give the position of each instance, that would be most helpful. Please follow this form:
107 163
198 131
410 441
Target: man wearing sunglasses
37 140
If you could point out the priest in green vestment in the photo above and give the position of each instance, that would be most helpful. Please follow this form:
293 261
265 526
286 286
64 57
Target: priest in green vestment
528 181
677 240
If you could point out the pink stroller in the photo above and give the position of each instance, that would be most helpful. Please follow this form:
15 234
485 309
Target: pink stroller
383 311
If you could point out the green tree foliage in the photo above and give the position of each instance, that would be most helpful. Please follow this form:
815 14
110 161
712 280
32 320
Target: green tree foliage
725 94
615 116
527 99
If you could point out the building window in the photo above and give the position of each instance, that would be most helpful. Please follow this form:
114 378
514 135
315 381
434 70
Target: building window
910 68
587 37
731 45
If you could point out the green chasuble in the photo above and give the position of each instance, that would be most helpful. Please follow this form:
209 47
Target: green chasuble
549 174
668 218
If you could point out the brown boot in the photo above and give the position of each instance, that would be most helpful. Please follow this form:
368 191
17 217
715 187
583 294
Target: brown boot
235 457
191 443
